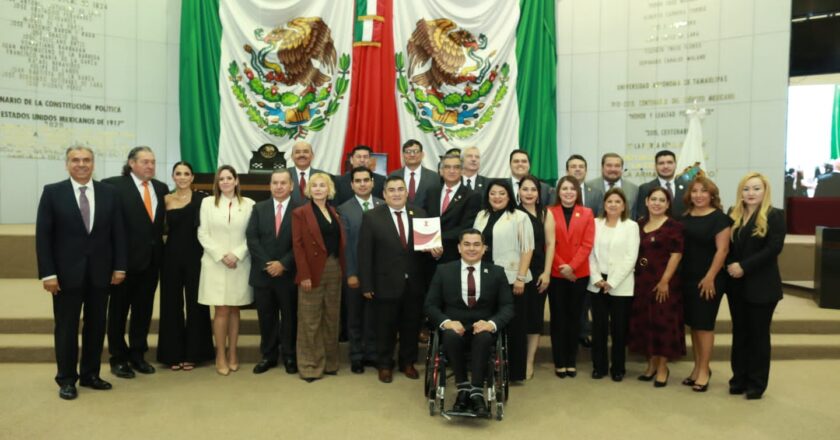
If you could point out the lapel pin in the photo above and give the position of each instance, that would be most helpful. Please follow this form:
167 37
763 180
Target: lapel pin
577 214
485 270
652 239
410 212
681 187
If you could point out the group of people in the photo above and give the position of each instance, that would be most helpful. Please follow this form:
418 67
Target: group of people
647 260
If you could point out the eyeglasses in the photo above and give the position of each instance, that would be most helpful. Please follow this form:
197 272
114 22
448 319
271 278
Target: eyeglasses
412 152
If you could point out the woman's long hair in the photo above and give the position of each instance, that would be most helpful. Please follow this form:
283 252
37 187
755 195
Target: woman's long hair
710 187
538 206
737 213
217 192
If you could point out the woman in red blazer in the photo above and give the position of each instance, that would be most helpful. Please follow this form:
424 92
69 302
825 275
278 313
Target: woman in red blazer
318 244
571 227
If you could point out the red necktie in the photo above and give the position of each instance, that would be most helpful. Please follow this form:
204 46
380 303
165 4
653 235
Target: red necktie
278 219
302 183
412 191
470 287
446 201
401 228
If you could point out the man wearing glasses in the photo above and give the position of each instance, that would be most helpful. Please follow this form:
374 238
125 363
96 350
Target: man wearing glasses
419 181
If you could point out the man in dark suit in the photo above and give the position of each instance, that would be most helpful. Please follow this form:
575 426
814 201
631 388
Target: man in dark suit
828 185
80 242
612 169
419 181
302 156
470 310
666 166
455 204
359 157
471 158
391 273
576 167
361 332
142 200
269 236
520 166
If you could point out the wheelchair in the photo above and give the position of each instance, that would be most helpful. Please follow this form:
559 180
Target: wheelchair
496 385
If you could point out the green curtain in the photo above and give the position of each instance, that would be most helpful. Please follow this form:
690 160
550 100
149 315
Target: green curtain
536 86
835 125
201 34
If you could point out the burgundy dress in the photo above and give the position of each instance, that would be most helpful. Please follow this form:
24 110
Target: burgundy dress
657 329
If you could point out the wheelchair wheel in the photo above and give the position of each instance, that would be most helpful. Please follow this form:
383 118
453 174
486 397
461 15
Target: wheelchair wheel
500 411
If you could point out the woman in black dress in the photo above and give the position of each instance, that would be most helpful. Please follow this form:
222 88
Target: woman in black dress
540 267
755 287
182 342
707 232
657 329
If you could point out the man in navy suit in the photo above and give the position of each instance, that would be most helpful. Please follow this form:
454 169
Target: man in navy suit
470 301
419 180
269 236
666 167
80 242
360 321
141 197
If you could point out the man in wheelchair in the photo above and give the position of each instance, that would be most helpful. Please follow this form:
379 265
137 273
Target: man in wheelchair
470 301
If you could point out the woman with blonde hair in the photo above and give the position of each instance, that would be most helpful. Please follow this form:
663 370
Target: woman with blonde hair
226 263
318 242
707 232
755 287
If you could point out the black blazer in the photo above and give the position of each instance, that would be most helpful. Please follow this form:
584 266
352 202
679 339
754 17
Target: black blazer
145 238
344 192
758 256
64 246
383 262
463 208
677 204
265 246
429 183
445 301
828 185
479 183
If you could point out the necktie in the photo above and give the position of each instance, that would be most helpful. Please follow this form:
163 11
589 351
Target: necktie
470 287
469 184
147 201
84 206
670 189
302 183
401 228
612 184
365 206
412 191
278 219
446 200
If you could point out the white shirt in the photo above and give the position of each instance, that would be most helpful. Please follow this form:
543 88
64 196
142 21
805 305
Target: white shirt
283 206
617 184
452 192
514 183
369 202
464 286
582 193
404 217
306 173
139 184
407 178
664 183
89 193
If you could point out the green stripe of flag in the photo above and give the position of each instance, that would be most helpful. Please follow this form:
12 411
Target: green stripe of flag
359 25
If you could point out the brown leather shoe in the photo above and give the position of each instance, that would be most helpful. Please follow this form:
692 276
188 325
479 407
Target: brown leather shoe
385 375
410 372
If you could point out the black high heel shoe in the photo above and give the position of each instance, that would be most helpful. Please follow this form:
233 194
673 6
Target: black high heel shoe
697 388
658 384
644 378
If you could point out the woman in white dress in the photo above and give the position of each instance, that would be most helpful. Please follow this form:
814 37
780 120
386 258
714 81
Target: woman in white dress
226 263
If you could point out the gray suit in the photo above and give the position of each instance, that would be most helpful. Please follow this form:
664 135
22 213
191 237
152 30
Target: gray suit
631 192
429 181
360 319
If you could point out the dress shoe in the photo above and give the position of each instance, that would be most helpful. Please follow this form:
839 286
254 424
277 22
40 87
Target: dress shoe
662 384
646 378
291 366
571 373
68 392
423 337
561 373
585 342
264 365
737 390
310 379
122 370
462 402
141 366
95 383
357 367
754 394
597 375
331 373
617 377
479 406
386 375
410 372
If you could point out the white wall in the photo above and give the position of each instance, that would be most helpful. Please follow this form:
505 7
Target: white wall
127 50
737 49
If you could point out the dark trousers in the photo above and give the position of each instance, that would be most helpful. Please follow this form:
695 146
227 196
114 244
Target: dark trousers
183 338
564 303
135 294
455 346
277 314
398 316
610 318
750 343
361 330
518 338
585 321
67 305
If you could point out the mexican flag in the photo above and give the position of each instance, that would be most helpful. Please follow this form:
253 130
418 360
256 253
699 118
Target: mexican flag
283 76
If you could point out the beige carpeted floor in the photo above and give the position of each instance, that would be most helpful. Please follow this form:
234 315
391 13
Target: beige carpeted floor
801 403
